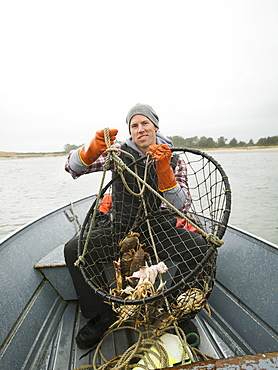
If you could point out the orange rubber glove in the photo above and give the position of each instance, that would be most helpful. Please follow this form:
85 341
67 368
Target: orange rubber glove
91 151
165 174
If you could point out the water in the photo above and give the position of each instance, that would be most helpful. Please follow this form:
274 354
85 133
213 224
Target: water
253 178
32 187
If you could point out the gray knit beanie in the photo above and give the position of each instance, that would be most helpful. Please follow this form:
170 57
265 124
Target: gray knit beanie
144 109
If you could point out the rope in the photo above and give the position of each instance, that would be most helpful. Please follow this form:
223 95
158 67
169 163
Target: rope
142 350
81 258
121 166
146 340
76 225
210 237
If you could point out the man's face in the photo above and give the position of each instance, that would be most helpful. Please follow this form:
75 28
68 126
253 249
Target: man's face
142 131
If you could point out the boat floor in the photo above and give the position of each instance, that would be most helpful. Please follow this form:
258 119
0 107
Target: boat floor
63 353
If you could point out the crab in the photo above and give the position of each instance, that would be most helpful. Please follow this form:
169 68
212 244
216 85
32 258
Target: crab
133 254
139 257
192 300
135 280
126 262
131 241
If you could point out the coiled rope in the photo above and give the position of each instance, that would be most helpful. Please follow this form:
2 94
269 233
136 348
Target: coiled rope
146 348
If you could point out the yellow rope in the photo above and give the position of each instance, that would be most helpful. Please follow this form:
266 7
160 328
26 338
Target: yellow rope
142 350
138 350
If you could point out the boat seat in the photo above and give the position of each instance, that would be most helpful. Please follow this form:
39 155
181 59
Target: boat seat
53 267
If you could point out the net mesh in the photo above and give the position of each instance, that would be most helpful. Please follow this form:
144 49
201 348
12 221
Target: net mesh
152 261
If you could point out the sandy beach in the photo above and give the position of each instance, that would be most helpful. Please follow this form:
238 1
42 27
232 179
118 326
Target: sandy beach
14 155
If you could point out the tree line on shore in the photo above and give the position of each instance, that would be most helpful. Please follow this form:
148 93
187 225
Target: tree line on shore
206 142
221 142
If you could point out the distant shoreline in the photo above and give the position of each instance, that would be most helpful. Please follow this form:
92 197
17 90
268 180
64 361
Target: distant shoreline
15 155
244 149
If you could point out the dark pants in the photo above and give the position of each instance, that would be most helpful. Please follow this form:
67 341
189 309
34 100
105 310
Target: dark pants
184 247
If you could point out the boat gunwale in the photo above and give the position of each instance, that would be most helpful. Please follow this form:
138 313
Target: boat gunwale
22 228
19 231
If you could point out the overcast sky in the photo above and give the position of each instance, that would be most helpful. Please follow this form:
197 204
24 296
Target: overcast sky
68 68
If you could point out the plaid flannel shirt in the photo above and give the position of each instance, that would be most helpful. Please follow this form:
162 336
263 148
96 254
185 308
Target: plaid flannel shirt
180 173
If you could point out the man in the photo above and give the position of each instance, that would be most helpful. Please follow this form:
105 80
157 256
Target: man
166 175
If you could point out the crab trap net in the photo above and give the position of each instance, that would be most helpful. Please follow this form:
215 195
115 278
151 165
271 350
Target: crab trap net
152 255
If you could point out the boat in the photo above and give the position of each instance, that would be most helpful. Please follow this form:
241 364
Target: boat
40 315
